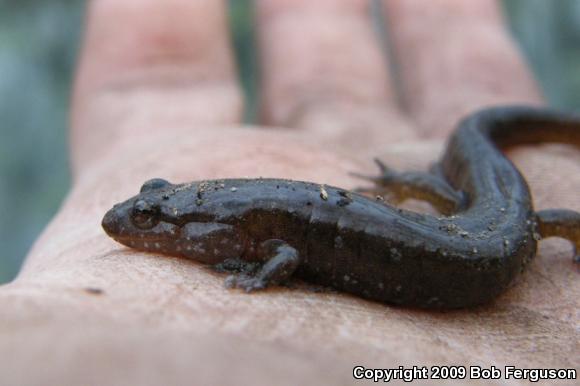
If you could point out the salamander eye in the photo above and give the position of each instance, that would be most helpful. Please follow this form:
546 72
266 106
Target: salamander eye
145 214
154 183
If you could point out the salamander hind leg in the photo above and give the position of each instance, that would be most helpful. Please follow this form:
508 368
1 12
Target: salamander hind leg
281 261
563 223
430 187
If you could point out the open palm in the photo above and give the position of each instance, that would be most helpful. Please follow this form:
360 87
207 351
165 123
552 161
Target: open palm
157 96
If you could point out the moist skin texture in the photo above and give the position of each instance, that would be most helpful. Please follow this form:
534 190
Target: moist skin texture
267 230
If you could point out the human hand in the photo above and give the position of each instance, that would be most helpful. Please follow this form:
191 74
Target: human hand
157 96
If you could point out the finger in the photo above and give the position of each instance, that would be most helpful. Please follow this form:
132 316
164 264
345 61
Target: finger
321 63
150 64
453 57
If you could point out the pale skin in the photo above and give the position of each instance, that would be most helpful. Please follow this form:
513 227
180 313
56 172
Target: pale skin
156 95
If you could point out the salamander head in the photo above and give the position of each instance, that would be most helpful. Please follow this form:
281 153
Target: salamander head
188 220
142 222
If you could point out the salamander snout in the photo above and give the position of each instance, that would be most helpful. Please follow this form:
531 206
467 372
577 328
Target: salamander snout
111 222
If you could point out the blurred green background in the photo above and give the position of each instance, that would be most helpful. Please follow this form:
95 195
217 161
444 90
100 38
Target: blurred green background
38 44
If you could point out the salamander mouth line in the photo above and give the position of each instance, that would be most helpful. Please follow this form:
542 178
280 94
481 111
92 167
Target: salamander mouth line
139 240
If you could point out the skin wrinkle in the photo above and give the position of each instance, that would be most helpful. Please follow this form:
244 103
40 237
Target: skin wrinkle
169 320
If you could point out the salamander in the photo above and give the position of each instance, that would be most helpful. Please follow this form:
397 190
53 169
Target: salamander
269 230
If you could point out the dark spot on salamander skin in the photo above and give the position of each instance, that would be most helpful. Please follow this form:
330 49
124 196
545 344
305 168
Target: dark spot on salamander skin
94 291
345 198
343 202
344 193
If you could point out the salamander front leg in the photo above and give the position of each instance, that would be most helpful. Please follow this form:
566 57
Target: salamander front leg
281 260
563 223
430 187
